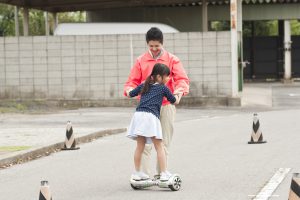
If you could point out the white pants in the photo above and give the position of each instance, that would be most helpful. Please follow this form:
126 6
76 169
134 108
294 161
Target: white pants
167 116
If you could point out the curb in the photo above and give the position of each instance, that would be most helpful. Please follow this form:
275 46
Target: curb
47 150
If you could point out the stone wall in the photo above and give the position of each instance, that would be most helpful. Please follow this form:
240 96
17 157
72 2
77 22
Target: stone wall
96 67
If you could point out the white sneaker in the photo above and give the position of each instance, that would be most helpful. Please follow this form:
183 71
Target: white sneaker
137 176
165 176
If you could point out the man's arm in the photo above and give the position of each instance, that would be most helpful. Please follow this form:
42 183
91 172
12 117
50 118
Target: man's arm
134 78
180 78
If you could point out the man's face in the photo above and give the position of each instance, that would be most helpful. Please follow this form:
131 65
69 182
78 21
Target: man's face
154 46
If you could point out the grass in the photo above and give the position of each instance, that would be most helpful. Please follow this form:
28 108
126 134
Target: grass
31 107
18 109
13 148
13 107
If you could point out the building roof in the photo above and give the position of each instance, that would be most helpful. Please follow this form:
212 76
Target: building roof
77 5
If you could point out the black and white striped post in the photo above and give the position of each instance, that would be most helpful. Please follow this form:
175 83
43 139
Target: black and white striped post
45 193
295 187
256 136
70 142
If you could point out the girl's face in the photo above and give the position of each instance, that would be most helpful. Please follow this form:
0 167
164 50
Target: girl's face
166 78
162 80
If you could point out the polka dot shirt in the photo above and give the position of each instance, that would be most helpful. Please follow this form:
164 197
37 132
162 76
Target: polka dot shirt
151 101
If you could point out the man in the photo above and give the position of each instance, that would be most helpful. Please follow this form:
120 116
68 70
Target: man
178 83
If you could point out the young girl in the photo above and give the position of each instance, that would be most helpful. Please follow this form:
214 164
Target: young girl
145 126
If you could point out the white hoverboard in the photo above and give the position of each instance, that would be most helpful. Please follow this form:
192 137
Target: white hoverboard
174 183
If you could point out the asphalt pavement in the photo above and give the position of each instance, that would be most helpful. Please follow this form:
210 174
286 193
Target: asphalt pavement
209 151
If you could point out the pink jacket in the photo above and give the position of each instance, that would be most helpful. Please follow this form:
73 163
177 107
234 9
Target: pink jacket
143 68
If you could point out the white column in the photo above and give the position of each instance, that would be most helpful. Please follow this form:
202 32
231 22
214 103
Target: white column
287 51
204 16
25 21
17 29
47 31
55 18
234 45
239 15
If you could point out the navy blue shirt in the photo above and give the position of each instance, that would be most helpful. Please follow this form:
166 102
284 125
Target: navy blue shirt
152 100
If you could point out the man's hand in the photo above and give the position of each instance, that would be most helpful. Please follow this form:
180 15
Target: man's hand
178 91
128 90
177 99
178 94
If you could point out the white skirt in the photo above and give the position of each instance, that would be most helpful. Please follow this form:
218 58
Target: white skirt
144 124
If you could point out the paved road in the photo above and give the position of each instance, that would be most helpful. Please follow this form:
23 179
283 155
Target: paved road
271 94
44 129
210 152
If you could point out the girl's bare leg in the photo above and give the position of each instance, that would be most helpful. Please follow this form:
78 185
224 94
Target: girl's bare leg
140 145
161 157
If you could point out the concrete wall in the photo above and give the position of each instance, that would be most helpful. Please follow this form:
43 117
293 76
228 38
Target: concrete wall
96 67
190 17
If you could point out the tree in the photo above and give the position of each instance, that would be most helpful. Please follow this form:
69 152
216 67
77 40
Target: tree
219 26
7 18
295 26
36 20
68 17
266 28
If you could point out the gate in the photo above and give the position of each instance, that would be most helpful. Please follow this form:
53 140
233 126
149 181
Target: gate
266 57
296 56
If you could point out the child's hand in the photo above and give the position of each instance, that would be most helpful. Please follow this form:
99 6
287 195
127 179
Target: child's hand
128 90
178 97
178 94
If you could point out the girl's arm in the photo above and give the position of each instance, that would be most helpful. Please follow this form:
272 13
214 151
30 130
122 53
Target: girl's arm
170 97
136 91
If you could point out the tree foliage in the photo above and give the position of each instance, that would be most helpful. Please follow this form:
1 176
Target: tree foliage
219 26
37 23
266 28
260 28
295 26
7 18
36 20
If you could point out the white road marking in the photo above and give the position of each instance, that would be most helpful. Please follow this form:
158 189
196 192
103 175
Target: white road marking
274 195
293 95
267 191
202 118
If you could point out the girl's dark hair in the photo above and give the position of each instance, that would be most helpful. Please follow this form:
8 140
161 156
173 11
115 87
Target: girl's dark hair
154 34
158 69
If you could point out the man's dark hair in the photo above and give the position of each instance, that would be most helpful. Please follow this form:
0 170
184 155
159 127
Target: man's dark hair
154 34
